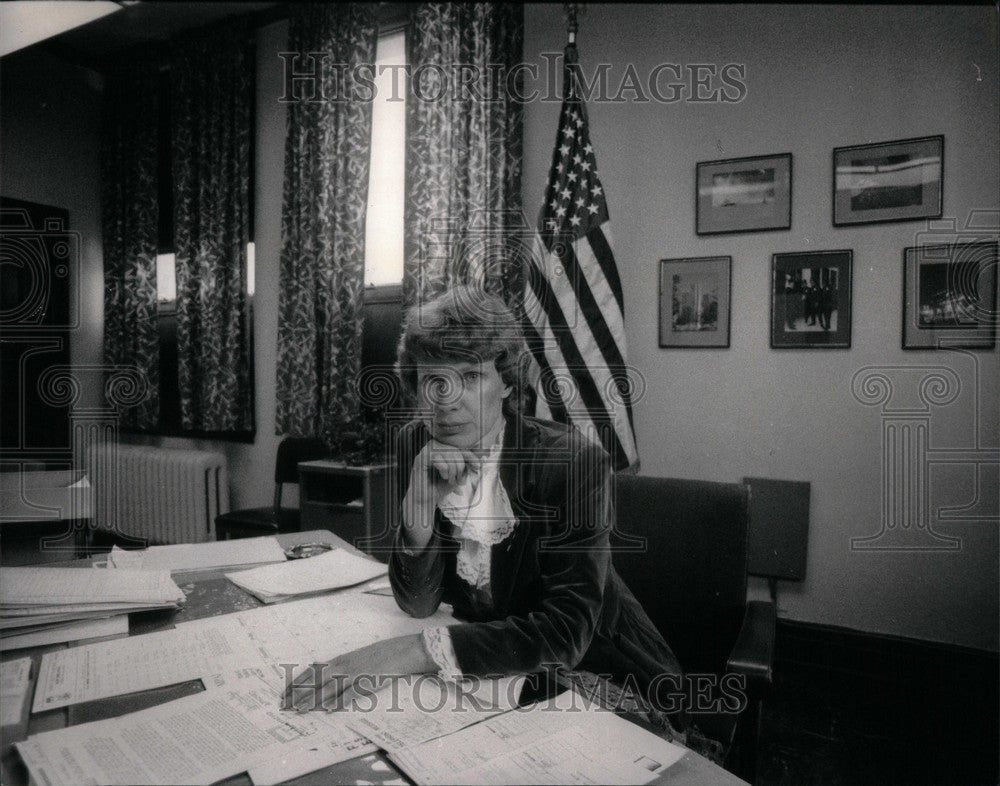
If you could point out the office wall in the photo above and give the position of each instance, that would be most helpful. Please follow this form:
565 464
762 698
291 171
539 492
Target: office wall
816 78
50 153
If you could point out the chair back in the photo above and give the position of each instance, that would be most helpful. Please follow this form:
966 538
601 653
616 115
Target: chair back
292 450
691 577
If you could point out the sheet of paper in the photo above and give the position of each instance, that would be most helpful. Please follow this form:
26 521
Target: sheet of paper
11 614
414 710
329 625
47 586
112 668
74 631
14 681
332 570
568 740
296 634
199 556
197 739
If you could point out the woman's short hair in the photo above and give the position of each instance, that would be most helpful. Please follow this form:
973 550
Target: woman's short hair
464 325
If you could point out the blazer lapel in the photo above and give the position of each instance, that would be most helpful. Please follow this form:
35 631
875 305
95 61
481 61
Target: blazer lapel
520 439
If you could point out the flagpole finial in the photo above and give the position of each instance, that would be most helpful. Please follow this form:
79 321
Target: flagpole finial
571 11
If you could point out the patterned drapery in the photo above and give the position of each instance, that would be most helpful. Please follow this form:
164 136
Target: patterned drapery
129 216
323 220
463 221
211 102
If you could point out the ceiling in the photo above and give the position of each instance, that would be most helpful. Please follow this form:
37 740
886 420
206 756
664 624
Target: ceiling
146 23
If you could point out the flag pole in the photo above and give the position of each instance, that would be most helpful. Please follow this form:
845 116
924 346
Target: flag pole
570 56
571 22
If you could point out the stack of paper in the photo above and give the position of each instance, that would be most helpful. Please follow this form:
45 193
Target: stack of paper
199 556
36 601
332 570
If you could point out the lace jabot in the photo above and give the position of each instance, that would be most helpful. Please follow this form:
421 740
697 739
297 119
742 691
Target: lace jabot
481 512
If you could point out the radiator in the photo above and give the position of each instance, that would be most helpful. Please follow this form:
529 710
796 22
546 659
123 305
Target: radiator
161 495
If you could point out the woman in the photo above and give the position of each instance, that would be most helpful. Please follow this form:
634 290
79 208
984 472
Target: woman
506 517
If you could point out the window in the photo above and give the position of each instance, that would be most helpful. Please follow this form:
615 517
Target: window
166 280
384 221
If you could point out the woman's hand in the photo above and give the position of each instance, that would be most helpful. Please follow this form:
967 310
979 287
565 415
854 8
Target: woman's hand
437 469
331 685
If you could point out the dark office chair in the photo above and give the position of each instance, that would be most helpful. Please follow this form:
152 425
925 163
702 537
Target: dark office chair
692 581
273 519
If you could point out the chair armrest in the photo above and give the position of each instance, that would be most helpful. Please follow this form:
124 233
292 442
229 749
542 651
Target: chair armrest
753 653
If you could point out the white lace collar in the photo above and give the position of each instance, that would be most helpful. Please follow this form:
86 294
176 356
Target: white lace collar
480 510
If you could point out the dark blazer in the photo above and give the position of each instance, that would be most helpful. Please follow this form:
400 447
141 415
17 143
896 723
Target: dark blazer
556 599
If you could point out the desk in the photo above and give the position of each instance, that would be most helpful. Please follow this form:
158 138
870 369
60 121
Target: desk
209 593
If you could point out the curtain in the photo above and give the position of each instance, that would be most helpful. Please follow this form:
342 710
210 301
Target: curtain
211 119
323 221
463 221
129 216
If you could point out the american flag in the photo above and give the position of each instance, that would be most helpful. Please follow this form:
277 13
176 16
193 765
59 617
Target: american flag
574 310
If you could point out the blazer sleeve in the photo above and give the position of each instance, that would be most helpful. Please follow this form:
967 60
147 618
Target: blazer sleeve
574 562
416 579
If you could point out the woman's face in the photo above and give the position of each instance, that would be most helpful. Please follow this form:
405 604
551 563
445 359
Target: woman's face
465 400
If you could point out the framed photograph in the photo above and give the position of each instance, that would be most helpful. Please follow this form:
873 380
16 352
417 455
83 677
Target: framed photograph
950 296
694 302
811 299
889 181
744 195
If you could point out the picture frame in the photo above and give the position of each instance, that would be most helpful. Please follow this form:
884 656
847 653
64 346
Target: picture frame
950 296
811 299
695 302
743 195
888 181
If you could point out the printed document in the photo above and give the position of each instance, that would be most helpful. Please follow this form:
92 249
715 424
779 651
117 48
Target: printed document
111 668
416 709
299 632
14 681
566 740
197 739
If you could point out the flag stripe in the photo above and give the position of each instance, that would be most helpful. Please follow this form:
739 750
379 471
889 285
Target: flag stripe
615 326
599 330
606 259
576 365
537 347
